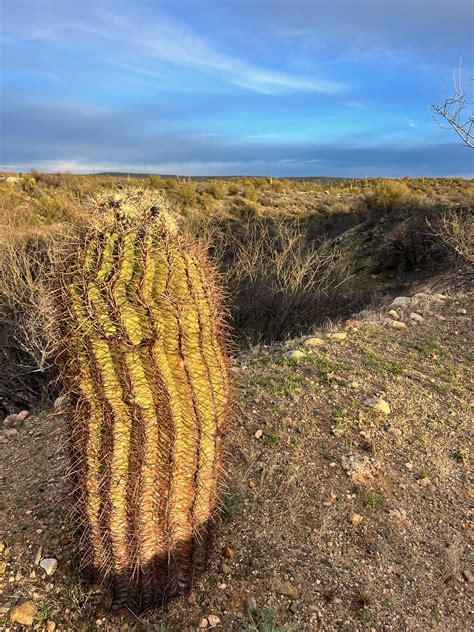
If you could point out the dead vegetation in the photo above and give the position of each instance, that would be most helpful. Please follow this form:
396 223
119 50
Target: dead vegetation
292 253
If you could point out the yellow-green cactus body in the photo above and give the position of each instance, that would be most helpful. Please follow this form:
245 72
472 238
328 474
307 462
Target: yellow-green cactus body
143 353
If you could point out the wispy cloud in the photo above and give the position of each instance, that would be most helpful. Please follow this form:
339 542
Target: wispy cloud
162 39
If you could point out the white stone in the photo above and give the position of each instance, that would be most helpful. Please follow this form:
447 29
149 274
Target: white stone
295 354
313 341
400 301
378 404
49 564
416 317
213 620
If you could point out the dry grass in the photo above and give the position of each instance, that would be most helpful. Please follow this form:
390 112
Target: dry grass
26 367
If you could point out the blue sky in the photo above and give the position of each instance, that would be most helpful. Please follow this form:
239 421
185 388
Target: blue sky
217 87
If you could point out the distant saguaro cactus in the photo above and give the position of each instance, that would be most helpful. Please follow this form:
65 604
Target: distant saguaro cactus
142 350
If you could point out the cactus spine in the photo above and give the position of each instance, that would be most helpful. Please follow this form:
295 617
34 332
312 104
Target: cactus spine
143 353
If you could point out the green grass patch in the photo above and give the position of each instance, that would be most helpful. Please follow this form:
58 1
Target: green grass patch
271 439
232 504
382 365
374 500
428 347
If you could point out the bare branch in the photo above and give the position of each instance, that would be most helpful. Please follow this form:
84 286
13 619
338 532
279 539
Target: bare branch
457 110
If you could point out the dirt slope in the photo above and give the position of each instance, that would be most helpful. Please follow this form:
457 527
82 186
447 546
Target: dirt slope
341 517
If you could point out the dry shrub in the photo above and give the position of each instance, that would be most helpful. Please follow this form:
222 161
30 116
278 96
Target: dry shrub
279 282
26 369
455 229
406 246
389 193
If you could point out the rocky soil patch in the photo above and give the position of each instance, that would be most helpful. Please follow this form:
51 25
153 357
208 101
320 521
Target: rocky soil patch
347 500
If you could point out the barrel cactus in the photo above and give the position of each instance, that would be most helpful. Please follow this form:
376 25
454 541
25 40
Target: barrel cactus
142 351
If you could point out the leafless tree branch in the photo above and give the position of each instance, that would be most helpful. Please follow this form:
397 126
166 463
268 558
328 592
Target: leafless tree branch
457 110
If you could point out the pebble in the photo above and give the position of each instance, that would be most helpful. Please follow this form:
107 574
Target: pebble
10 420
295 354
400 301
378 404
313 341
393 314
356 519
39 555
417 318
22 415
340 335
287 589
352 325
250 604
468 576
24 613
258 434
213 620
293 607
228 552
462 311
60 403
49 564
397 324
203 623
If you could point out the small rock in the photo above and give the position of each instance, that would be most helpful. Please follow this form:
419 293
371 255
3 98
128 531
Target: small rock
258 434
39 555
49 564
417 318
313 341
213 620
22 415
60 403
10 420
250 604
191 599
462 311
24 613
226 569
468 576
340 335
400 301
293 607
378 404
288 590
424 482
11 432
398 324
393 314
356 519
296 355
203 623
228 552
352 325
358 467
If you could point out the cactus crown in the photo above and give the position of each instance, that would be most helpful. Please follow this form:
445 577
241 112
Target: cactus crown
144 356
